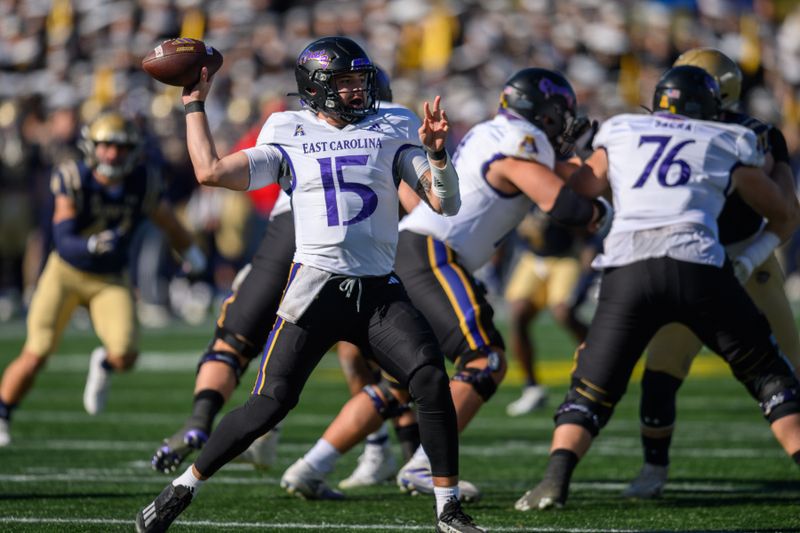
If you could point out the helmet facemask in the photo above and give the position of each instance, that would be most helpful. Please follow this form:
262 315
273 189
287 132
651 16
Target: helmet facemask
318 66
332 102
111 128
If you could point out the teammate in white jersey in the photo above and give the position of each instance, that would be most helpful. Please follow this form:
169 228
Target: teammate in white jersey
671 352
669 174
505 165
345 159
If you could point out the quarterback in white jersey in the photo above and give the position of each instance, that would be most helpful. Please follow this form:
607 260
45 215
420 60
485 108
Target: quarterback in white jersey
345 159
663 263
504 165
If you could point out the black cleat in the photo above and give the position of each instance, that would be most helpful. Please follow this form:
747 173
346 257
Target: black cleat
454 520
177 448
161 512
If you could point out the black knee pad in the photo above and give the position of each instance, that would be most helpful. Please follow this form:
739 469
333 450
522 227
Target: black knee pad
229 358
586 406
778 396
657 408
247 349
480 378
384 401
770 380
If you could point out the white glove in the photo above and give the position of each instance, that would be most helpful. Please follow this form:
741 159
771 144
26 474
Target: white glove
194 260
102 243
743 268
756 253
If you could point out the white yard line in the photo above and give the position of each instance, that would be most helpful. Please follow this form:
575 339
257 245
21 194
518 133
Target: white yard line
323 526
506 448
133 476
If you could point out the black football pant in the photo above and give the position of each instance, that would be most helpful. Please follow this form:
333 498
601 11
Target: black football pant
379 317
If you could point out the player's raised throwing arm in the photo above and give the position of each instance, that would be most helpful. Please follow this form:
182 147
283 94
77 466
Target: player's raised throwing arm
231 171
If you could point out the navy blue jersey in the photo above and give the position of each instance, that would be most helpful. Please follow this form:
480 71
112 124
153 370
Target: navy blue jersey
738 221
119 208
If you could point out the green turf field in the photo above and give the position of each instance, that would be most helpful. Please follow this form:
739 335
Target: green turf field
67 471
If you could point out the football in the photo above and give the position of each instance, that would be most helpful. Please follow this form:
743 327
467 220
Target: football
179 61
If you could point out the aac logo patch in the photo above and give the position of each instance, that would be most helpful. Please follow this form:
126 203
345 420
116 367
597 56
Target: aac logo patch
528 145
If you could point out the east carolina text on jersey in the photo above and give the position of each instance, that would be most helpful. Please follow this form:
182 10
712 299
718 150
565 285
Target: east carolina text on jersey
346 144
343 185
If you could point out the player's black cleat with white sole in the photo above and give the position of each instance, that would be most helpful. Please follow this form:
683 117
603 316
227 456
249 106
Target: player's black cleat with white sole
161 512
454 520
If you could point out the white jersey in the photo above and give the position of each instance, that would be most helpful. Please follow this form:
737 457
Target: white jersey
487 215
343 185
670 176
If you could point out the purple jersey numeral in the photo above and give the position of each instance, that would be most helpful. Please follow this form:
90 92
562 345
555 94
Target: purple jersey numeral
669 160
368 197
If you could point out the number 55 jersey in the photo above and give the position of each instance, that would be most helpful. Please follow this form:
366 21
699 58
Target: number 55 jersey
343 184
670 173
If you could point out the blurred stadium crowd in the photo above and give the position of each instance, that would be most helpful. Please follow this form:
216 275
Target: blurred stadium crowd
62 61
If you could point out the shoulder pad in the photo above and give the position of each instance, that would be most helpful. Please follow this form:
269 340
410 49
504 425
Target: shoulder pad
523 140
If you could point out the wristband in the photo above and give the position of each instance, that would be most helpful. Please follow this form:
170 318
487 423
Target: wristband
438 155
195 106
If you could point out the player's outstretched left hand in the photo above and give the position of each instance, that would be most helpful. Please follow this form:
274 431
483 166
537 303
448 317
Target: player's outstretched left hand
433 132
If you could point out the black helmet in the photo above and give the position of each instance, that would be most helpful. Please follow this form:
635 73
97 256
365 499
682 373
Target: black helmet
688 90
320 62
545 99
384 85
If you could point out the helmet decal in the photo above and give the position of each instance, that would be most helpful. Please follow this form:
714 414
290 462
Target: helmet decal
315 55
550 88
544 98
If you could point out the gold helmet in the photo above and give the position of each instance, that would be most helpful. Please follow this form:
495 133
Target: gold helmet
112 128
723 68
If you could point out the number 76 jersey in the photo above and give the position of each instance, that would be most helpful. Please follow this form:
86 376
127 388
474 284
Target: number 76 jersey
344 185
668 170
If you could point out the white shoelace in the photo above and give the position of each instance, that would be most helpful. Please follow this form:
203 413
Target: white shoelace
346 287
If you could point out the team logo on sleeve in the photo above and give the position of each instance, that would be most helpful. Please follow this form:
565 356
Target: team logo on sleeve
298 130
528 146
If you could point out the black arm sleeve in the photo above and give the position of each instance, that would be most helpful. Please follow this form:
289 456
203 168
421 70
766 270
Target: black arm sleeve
572 209
780 152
